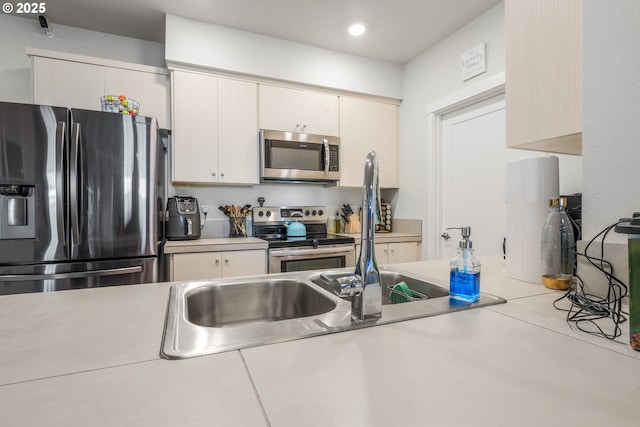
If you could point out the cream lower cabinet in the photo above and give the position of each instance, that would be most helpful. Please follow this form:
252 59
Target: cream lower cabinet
364 126
217 265
215 133
298 110
393 253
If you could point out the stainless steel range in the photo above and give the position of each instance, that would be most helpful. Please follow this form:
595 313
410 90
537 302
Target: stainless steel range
317 250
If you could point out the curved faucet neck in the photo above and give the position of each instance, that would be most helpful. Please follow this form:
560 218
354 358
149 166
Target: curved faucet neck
368 303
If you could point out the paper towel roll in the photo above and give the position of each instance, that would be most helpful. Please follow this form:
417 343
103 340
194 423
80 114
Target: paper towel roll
530 183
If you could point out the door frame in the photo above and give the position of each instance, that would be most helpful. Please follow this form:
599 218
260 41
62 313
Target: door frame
473 94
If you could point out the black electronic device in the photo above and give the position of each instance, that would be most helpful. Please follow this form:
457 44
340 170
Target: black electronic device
183 218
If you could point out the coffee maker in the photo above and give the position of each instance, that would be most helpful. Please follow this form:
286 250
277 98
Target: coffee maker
183 218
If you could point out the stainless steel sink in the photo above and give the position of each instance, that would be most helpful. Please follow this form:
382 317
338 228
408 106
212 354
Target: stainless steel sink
230 304
421 289
214 316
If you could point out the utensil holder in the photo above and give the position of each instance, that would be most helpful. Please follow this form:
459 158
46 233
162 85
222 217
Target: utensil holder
237 227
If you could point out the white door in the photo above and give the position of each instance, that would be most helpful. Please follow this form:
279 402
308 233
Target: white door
474 157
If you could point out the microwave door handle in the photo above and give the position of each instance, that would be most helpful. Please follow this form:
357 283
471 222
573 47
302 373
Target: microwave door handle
327 156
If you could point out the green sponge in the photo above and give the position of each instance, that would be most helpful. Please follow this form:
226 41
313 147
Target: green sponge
400 287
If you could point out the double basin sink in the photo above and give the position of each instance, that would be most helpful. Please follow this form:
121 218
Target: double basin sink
209 317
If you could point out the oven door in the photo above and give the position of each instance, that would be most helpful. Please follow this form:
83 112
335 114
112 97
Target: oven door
300 259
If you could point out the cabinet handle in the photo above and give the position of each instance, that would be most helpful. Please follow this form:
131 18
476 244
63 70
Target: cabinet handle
304 126
217 261
213 174
226 261
222 174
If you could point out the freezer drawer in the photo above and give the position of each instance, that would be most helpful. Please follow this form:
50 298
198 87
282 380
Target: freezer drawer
76 275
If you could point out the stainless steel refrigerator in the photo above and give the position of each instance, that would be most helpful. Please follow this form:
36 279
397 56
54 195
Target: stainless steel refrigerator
78 199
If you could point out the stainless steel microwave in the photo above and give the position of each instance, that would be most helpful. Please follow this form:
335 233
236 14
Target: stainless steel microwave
299 157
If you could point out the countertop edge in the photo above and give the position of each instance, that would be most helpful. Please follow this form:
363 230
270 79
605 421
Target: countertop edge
215 245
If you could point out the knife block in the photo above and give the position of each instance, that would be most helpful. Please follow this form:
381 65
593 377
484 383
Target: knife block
353 225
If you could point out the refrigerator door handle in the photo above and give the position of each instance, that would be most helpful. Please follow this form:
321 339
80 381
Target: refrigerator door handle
73 183
60 134
71 275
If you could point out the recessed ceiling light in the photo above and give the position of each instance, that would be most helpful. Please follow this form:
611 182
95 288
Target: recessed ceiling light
356 29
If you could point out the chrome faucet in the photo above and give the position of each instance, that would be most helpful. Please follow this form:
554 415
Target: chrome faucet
364 286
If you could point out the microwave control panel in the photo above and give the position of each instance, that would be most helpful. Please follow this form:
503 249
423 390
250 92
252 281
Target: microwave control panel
334 158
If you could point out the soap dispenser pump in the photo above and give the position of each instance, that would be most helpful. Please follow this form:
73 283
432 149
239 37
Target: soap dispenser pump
464 277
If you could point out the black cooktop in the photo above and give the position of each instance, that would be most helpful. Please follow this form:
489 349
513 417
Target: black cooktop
313 241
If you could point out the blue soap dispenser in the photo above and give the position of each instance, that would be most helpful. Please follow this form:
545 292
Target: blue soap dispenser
464 277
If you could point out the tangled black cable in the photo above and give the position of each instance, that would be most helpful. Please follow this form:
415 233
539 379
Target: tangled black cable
588 308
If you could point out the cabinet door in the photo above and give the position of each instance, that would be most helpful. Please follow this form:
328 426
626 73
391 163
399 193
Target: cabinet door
151 90
238 131
67 84
543 45
195 124
354 145
385 141
382 253
319 113
195 266
403 252
244 263
364 126
298 110
279 108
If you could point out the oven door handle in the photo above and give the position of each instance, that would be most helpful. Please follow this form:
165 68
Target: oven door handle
335 250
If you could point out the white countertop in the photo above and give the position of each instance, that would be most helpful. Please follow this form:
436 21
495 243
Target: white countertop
214 244
91 357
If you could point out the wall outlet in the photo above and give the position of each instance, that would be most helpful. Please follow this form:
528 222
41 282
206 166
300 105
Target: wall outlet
205 209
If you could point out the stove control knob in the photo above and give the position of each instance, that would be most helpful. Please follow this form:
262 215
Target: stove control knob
307 212
261 214
320 212
314 213
268 214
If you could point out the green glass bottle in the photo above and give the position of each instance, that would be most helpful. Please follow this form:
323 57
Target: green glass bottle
632 228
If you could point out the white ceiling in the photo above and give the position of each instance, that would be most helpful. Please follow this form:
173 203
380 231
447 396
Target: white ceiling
397 30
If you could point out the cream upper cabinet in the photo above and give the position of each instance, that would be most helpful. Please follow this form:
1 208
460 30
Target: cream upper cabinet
367 125
151 90
77 84
544 75
215 129
195 125
67 84
238 131
298 110
216 265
